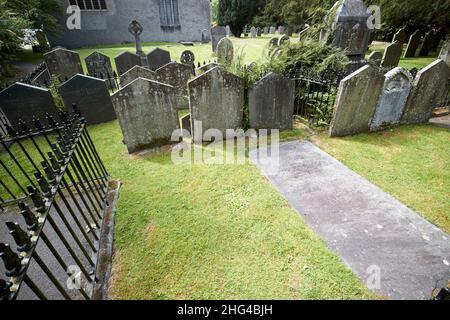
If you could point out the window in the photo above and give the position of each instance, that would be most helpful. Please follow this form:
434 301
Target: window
168 12
89 5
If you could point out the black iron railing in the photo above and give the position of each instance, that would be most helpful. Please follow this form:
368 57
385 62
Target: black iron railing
53 193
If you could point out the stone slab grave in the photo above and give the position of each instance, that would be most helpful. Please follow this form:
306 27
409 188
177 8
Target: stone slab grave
177 75
225 51
271 103
429 86
134 73
376 57
392 102
146 114
22 101
92 97
426 44
369 229
356 102
158 58
63 63
217 33
217 100
413 44
392 55
99 66
125 61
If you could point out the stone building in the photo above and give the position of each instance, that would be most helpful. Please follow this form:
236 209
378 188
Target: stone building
106 21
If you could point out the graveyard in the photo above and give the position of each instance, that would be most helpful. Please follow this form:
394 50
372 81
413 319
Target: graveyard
122 160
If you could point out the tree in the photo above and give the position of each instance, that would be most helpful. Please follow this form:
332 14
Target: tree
237 13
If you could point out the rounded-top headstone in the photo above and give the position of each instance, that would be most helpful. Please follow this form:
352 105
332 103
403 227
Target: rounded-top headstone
225 51
187 57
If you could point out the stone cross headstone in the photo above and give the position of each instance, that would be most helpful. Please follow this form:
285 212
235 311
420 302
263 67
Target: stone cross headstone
273 42
92 97
217 100
158 58
444 55
376 56
63 63
177 75
187 57
205 36
392 55
252 32
283 40
400 36
271 103
392 102
145 113
272 30
99 66
217 33
125 61
22 101
426 44
413 44
225 51
136 29
135 73
428 87
356 101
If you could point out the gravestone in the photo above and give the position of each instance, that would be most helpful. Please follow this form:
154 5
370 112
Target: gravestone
266 30
145 113
376 56
98 66
125 61
437 37
356 101
134 73
272 30
258 32
217 100
281 30
426 44
22 101
228 31
392 55
217 33
187 57
271 103
136 29
283 39
413 44
396 89
428 87
400 36
186 123
273 42
225 51
158 58
91 95
444 55
205 36
63 63
253 32
177 75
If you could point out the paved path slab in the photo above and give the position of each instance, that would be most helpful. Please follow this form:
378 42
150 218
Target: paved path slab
368 228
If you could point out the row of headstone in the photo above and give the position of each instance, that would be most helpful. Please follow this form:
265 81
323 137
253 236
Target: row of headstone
431 41
369 101
155 59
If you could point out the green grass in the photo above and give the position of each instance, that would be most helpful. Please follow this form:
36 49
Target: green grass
409 162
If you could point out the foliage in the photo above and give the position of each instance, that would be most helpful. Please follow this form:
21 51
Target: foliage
237 13
55 83
215 11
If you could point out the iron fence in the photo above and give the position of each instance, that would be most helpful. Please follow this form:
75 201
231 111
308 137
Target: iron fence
53 193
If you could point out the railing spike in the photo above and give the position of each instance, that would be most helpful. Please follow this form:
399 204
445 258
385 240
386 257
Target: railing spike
12 262
30 218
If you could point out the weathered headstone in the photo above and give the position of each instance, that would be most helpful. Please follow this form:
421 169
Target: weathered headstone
428 87
217 33
356 101
125 61
392 102
136 29
225 51
186 123
376 57
187 57
272 30
258 32
92 97
273 42
392 55
99 66
437 37
281 30
158 58
283 40
413 44
400 36
444 55
205 36
253 32
426 44
217 100
63 63
136 72
177 75
271 103
266 30
22 101
228 30
145 113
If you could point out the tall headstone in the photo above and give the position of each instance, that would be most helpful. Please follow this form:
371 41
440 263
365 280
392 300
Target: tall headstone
392 55
217 100
158 58
63 63
22 101
428 87
145 113
444 55
136 29
426 44
396 89
134 73
125 61
217 33
400 36
413 44
356 101
92 97
376 57
225 51
271 103
253 32
177 75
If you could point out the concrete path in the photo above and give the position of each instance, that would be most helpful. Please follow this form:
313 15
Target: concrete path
371 231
